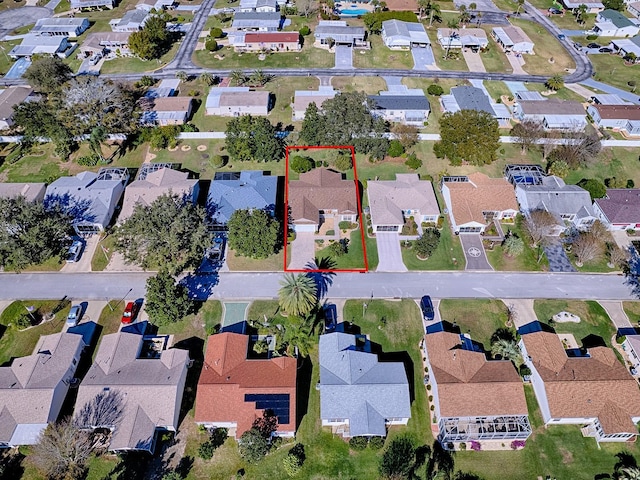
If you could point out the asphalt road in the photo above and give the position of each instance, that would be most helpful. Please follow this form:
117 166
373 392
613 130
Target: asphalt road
236 286
182 60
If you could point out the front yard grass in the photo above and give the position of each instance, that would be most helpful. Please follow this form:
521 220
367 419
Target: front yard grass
458 63
546 47
612 70
136 65
273 263
104 251
478 317
195 325
527 261
263 308
354 258
632 309
380 56
494 59
369 85
593 318
448 255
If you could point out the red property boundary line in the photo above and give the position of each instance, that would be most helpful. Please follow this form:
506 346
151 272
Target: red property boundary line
359 203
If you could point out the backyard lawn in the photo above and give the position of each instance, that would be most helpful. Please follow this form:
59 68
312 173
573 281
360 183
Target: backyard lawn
594 319
478 317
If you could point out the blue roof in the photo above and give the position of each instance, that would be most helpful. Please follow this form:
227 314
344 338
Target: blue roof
251 190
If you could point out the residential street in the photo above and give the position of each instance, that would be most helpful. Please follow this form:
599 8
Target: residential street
232 286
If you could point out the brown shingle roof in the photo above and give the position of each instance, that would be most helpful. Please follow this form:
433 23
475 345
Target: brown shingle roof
320 189
583 387
626 112
551 107
621 205
227 375
468 384
172 104
10 97
479 194
266 37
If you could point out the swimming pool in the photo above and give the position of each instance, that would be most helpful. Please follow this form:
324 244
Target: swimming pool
352 12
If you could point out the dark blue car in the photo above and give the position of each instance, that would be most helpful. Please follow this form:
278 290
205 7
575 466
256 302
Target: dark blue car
426 305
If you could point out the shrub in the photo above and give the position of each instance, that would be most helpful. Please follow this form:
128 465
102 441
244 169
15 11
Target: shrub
463 446
524 370
88 160
304 31
427 243
413 162
217 161
205 450
592 37
559 168
291 465
302 164
502 151
189 127
216 32
376 443
595 187
620 340
23 321
516 444
631 183
358 443
339 248
395 148
211 45
344 163
513 246
347 225
435 90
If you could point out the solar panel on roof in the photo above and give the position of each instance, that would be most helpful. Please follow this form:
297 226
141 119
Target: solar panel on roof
278 403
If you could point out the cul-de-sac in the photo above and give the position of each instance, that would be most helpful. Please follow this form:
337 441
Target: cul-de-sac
319 239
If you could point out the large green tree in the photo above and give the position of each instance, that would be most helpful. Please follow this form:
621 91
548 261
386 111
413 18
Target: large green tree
253 138
153 40
398 460
468 135
30 234
47 74
253 233
298 294
313 127
167 300
507 350
170 232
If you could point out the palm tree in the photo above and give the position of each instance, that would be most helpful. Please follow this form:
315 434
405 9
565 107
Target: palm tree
298 295
207 78
261 346
298 336
182 75
237 77
97 136
555 83
520 5
258 78
434 11
628 473
507 350
423 5
465 16
581 13
453 26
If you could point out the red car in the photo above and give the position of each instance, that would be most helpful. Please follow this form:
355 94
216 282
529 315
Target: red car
130 312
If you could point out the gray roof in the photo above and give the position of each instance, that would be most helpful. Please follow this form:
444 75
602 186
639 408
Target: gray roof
256 20
551 107
135 16
617 18
152 387
339 31
472 98
32 192
621 205
258 3
88 197
556 197
528 95
355 385
413 32
27 386
249 190
60 25
400 102
609 99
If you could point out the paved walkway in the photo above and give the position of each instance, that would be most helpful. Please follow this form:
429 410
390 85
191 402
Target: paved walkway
558 260
580 90
474 254
616 314
474 61
516 63
524 310
325 81
389 252
302 250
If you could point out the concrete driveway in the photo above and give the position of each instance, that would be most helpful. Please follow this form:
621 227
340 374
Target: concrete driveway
303 250
524 310
474 252
84 264
616 313
344 56
474 62
91 311
389 253
423 58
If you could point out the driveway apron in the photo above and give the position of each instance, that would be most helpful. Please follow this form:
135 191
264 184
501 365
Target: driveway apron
389 253
474 252
344 56
302 250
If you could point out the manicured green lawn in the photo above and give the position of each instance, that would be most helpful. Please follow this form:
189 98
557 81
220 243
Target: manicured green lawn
369 85
611 69
102 254
270 264
632 309
448 255
381 57
458 63
546 47
593 318
195 325
136 65
478 317
63 6
355 256
494 59
38 166
261 308
527 261
5 61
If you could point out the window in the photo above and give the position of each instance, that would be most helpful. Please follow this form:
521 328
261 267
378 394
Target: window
74 361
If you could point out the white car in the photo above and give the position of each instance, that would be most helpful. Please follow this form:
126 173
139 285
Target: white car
74 316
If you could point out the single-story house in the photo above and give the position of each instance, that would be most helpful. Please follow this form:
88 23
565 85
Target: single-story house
611 23
42 45
265 41
236 386
91 198
608 99
143 378
153 181
359 394
569 204
631 347
339 32
258 6
131 21
552 114
166 88
475 399
256 21
158 5
618 117
399 34
407 109
104 42
619 209
320 195
33 388
634 9
474 98
474 201
512 39
581 386
474 38
625 46
246 190
303 98
393 202
168 111
592 6
80 4
32 192
237 101
63 27
9 98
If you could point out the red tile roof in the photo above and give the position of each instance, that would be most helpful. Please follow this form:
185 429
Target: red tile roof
227 375
272 37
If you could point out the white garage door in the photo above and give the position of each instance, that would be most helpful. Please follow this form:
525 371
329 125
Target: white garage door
305 228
